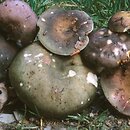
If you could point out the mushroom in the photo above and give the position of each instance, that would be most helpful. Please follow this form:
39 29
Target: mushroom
116 86
17 22
7 53
52 85
120 21
3 95
105 49
64 32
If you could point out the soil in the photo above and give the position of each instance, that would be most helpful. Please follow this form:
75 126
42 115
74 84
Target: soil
100 115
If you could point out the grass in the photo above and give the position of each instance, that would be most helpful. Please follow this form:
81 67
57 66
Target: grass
102 121
100 11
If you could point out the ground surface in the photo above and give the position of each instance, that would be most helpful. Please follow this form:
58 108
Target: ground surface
100 115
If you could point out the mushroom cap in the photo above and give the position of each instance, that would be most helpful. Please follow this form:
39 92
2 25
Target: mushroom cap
105 49
53 84
64 32
17 22
120 21
7 53
116 87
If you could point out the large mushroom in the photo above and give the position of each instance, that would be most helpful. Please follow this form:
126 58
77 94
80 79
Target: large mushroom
50 84
120 21
105 49
64 32
18 22
116 86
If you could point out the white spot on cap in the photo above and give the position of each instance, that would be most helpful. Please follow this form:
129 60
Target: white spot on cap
124 46
76 19
26 55
53 60
1 55
28 61
84 23
116 51
60 47
109 41
24 26
93 54
56 90
43 20
101 32
52 12
82 102
71 73
21 84
88 99
100 49
92 78
39 55
39 65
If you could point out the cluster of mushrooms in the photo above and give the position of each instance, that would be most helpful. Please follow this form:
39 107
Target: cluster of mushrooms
53 60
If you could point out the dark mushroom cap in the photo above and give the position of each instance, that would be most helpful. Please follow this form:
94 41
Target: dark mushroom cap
64 32
18 22
105 49
120 21
7 53
116 87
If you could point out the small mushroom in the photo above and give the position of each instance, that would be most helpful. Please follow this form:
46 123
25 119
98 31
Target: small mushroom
17 22
64 32
116 87
105 49
52 85
3 95
120 21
